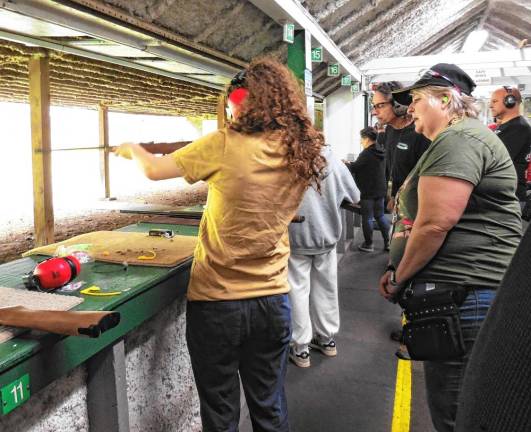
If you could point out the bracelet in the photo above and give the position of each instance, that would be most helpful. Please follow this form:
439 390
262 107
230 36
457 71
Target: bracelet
392 279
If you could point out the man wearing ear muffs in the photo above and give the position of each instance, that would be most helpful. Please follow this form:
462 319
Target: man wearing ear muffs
403 146
514 131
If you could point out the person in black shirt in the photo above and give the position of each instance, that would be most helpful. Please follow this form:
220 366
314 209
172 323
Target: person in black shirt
403 146
369 173
514 131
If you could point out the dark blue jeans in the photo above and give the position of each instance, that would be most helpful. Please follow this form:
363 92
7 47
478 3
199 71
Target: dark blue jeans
444 379
250 337
373 208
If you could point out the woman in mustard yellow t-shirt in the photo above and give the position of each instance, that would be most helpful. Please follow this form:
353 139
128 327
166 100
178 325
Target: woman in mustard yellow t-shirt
238 313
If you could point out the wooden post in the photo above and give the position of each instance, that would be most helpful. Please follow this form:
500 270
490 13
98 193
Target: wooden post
222 113
39 97
104 149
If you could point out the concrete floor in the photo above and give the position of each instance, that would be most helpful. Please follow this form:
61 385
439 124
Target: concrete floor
355 390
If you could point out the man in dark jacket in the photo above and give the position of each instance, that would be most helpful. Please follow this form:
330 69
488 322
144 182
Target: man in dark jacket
369 173
514 131
403 146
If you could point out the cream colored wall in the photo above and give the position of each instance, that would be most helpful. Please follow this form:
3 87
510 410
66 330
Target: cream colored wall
343 119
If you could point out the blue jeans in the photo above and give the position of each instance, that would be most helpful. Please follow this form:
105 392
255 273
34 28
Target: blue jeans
444 379
250 337
373 208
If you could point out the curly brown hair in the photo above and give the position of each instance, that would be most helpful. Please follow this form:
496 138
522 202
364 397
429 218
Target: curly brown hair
276 104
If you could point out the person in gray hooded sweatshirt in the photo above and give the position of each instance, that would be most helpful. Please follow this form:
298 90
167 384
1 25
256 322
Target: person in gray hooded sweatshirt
312 268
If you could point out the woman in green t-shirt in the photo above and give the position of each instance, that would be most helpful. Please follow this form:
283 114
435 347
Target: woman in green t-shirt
456 226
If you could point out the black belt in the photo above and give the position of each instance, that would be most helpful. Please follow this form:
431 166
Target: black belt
418 295
448 286
428 286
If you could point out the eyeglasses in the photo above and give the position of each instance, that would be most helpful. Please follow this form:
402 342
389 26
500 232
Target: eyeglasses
379 106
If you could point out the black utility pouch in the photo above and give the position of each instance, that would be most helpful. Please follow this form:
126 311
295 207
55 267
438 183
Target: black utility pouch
433 330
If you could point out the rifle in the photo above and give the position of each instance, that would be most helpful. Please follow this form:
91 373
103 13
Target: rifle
71 323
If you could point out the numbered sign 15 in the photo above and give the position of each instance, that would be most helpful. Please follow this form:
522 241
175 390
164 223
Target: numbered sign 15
15 394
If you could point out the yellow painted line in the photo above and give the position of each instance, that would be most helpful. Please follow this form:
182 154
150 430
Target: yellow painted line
402 407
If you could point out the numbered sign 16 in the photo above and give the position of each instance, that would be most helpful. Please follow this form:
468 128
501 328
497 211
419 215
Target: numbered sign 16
333 69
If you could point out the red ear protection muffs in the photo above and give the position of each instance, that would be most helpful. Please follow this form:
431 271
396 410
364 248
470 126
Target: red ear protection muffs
238 96
53 273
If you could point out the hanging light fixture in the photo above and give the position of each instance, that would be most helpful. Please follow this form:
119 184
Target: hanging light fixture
475 41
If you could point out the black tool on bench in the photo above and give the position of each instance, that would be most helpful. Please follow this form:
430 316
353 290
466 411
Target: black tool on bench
159 232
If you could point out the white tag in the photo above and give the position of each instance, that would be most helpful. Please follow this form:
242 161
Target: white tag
430 286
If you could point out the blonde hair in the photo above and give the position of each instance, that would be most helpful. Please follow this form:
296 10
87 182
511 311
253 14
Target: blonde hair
459 105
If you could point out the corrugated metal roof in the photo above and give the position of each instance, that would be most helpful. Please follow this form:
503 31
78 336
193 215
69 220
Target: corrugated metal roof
235 31
362 29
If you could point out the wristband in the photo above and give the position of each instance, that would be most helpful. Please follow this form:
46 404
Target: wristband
392 279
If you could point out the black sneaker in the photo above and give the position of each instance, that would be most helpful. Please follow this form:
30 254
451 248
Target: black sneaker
386 245
364 247
328 349
301 360
402 353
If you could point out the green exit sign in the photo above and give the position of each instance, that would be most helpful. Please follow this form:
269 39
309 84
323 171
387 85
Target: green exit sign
346 80
355 87
289 33
15 394
333 69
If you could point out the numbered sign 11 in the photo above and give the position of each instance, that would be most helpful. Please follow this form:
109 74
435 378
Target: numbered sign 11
15 394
